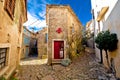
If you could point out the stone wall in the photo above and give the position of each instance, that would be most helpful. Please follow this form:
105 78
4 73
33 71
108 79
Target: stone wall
33 45
42 42
59 16
11 33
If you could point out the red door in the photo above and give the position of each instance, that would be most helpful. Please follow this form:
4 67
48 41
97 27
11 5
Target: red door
58 49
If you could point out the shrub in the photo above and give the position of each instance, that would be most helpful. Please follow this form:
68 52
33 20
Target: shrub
2 78
106 41
13 78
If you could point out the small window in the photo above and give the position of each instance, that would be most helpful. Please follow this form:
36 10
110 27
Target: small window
9 7
46 37
3 53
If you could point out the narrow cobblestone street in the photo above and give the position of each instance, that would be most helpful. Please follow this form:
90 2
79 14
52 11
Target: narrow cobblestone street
83 68
59 40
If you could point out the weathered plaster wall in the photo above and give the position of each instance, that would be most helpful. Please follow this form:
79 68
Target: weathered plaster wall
113 24
9 33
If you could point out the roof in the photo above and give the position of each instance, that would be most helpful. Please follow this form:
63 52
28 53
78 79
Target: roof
28 30
64 6
88 23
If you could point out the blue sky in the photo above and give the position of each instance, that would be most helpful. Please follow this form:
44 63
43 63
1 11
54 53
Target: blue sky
37 9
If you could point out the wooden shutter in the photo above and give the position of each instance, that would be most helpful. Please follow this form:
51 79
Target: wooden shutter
9 7
20 24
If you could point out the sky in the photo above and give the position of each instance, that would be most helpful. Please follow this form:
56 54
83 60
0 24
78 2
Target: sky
36 10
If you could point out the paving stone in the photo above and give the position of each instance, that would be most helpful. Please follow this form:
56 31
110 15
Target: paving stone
84 67
75 79
39 76
48 77
58 67
68 69
102 78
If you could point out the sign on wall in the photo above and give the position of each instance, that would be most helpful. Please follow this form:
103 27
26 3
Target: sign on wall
59 30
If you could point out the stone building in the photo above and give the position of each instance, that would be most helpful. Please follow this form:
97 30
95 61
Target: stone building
42 38
33 45
89 33
25 42
29 44
89 28
106 15
13 14
62 25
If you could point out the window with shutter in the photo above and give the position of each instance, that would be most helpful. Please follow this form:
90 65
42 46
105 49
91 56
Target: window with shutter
9 7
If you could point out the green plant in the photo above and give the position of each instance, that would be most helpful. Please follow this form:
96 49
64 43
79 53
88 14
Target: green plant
99 44
113 42
84 41
13 78
75 46
106 41
2 78
78 43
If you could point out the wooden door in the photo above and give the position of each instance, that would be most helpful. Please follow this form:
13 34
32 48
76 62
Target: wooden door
58 49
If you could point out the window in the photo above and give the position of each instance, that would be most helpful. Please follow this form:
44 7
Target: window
9 7
46 37
3 52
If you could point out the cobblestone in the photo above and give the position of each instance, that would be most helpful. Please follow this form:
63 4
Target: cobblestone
83 68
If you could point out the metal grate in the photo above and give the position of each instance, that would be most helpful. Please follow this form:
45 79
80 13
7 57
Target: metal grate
3 52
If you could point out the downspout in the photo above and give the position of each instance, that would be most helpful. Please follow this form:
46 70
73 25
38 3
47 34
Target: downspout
93 23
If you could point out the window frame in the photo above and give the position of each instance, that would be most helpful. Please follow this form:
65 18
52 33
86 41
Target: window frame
3 58
9 6
6 67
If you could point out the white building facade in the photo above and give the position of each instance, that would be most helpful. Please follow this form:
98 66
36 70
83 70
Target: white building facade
106 15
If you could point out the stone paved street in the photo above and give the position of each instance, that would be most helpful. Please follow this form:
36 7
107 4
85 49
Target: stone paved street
83 68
